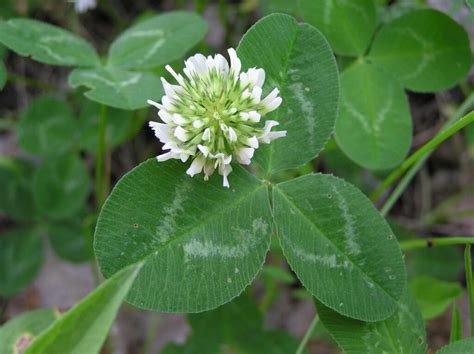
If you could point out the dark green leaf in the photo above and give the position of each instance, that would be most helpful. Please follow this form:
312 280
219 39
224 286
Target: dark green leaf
117 87
348 25
71 240
46 43
47 127
158 40
374 126
298 60
202 244
434 296
404 332
3 75
456 325
84 327
21 258
61 186
339 246
425 49
16 334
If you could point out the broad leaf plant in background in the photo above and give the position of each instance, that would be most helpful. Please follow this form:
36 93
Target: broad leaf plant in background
171 236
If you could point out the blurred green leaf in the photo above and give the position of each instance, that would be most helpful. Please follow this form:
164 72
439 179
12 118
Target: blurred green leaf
16 334
339 246
47 127
464 346
278 274
348 25
119 124
236 328
281 6
374 126
21 258
202 244
158 40
425 49
16 189
117 87
434 296
70 240
403 332
84 328
298 60
46 43
61 186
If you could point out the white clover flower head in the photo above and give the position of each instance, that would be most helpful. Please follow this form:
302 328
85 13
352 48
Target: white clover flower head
214 114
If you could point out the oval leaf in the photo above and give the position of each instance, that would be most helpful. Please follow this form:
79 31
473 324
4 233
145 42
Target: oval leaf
16 334
403 332
202 244
46 43
70 240
158 40
434 296
21 257
61 186
116 87
374 125
339 246
348 25
298 60
425 49
83 328
47 127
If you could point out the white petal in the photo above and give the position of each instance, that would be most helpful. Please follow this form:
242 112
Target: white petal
268 102
177 77
153 103
274 104
196 166
204 150
256 77
167 103
232 135
245 116
252 142
198 123
179 119
222 65
224 171
256 94
170 90
165 116
162 131
254 116
167 156
181 134
206 135
244 155
244 80
235 64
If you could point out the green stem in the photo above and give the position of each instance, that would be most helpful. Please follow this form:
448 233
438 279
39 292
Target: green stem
405 181
100 183
435 242
470 290
307 335
422 152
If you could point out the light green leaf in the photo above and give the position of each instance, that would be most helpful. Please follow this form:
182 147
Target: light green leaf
425 49
21 258
70 240
46 43
464 346
434 296
202 244
348 25
281 6
16 334
239 330
403 332
3 75
47 127
374 126
158 40
119 123
16 190
84 327
298 60
116 87
470 3
61 186
339 246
